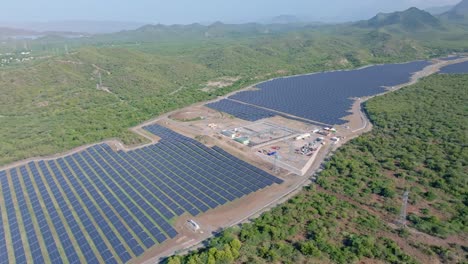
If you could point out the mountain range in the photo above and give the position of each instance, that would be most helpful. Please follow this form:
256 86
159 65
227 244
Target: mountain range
410 20
416 20
458 13
82 26
437 10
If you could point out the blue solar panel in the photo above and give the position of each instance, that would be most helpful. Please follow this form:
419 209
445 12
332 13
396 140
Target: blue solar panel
135 184
3 248
114 202
18 248
451 58
97 204
242 111
458 68
150 183
100 200
94 212
324 97
33 242
82 242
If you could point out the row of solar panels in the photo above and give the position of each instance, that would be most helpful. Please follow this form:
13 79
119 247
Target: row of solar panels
253 113
325 97
101 206
458 68
452 58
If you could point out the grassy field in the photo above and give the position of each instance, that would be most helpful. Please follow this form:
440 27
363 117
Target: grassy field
417 145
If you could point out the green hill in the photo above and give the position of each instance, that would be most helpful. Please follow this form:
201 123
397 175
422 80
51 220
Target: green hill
165 33
409 20
437 10
458 13
6 32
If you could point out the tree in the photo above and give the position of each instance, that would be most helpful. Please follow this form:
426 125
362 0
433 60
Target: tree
174 260
310 249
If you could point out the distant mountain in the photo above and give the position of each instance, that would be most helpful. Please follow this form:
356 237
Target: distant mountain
13 32
198 31
409 20
283 19
18 33
458 13
437 10
83 26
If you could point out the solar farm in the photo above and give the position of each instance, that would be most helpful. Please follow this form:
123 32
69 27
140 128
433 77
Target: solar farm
109 204
103 206
321 97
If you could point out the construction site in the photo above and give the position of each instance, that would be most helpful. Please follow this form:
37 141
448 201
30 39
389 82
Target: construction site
281 145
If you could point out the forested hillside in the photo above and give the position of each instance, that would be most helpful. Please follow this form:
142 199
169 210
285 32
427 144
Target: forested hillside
417 144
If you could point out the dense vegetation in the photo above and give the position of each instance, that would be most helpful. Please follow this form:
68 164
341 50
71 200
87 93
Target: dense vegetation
418 143
309 228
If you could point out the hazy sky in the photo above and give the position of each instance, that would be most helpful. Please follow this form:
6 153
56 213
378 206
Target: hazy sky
188 11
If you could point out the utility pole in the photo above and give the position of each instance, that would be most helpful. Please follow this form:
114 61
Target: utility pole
100 80
275 163
402 220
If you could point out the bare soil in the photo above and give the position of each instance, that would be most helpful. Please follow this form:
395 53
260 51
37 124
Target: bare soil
195 114
219 83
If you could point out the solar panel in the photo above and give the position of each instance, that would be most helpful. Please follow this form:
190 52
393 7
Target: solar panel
323 97
458 68
113 201
96 215
3 247
110 206
15 232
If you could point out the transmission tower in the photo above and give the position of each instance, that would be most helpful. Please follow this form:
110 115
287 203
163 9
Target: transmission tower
275 163
402 219
100 80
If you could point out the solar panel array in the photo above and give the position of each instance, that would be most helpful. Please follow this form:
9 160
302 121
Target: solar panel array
324 97
101 206
451 58
458 68
242 111
248 112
